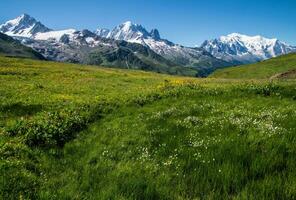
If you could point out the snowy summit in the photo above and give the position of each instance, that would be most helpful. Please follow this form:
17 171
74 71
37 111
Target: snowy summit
246 49
23 26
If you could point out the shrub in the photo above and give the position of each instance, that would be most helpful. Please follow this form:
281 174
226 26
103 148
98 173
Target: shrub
56 128
50 128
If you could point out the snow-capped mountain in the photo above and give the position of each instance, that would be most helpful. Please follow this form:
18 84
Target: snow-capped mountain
87 47
185 56
23 26
140 46
129 32
64 45
27 28
54 35
102 32
246 49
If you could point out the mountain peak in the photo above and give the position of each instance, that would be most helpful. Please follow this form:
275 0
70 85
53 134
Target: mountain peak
128 26
23 26
25 15
22 19
17 20
127 23
243 36
129 31
235 35
102 32
155 34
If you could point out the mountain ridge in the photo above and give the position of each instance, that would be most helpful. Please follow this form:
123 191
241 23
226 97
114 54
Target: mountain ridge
185 56
23 26
246 49
73 45
86 47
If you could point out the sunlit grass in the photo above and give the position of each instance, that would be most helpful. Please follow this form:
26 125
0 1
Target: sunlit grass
80 132
261 70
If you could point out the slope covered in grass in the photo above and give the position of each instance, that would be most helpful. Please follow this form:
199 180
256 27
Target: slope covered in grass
31 88
13 48
80 132
262 70
207 143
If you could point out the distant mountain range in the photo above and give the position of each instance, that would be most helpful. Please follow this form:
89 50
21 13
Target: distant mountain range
246 49
130 45
182 56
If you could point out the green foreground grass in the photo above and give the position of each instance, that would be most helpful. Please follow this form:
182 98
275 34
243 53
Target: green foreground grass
78 132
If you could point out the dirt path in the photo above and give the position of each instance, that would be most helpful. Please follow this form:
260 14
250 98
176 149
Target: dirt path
285 75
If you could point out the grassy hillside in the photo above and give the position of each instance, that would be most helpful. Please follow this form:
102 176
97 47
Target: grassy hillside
12 48
30 87
80 132
261 70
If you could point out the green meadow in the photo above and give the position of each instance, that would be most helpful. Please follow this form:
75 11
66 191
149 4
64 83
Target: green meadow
267 69
83 132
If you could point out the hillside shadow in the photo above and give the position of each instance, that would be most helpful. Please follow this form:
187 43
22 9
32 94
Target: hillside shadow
19 109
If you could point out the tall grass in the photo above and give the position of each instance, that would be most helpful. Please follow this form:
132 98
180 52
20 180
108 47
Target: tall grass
78 132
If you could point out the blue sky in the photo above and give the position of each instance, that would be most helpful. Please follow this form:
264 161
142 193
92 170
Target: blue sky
187 22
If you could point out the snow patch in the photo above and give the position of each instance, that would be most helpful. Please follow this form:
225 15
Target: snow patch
55 35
